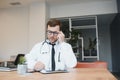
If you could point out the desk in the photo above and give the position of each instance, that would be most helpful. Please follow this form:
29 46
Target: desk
74 74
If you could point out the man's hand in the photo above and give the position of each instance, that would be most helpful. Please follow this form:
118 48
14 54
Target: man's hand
61 37
39 66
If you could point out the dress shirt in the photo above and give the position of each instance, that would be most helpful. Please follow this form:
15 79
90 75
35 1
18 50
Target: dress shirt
64 56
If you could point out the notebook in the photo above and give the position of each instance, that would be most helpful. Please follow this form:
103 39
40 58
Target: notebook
7 69
51 72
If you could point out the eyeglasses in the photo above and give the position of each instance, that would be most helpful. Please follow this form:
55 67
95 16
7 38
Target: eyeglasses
52 32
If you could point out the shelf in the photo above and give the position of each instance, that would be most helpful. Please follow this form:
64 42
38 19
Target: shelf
90 57
84 27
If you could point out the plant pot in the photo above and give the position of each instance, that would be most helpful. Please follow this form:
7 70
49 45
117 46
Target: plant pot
21 68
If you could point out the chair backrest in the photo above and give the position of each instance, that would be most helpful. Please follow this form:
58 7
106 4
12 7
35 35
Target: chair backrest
97 64
17 58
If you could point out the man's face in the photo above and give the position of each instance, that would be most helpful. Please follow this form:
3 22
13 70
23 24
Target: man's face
52 33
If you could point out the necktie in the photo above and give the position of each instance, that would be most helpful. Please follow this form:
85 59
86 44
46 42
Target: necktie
53 59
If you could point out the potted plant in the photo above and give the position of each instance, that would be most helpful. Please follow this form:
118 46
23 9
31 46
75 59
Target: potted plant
75 34
91 46
22 60
21 67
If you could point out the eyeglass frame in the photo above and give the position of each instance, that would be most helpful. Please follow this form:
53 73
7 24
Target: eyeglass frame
55 33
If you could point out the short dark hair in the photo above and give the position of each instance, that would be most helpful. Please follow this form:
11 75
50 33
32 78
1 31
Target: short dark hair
53 23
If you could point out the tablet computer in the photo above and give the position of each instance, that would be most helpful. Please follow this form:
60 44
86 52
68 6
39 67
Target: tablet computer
51 72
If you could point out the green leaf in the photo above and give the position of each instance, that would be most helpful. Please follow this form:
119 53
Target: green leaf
22 60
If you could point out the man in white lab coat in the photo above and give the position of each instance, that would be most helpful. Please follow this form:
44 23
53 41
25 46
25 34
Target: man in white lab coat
40 57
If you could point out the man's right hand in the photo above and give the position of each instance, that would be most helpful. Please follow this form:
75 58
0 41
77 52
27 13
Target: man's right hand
61 37
39 66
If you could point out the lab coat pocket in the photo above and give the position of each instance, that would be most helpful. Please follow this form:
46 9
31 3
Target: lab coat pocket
44 56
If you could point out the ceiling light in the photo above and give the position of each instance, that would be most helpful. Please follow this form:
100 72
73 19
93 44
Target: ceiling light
15 3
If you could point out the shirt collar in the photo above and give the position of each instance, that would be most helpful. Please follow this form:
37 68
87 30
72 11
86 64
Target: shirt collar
57 42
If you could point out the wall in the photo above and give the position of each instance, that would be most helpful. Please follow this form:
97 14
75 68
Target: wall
37 23
83 8
118 5
21 28
13 31
104 36
115 42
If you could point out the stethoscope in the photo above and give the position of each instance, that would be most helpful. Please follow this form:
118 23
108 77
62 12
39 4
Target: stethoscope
46 42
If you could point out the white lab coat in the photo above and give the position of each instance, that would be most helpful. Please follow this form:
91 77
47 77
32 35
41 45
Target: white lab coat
64 56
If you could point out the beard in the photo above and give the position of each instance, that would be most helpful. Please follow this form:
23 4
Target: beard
52 39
